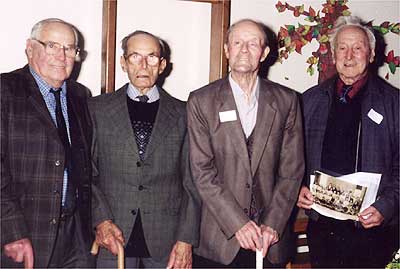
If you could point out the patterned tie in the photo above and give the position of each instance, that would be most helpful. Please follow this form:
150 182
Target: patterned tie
63 134
253 212
143 98
344 97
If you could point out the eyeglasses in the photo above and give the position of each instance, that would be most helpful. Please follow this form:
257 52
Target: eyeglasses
52 48
136 58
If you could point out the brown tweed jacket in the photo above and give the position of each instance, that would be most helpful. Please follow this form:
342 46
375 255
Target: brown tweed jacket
32 161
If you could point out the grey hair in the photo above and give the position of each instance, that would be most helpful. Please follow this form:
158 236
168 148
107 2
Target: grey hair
37 28
124 42
347 21
259 25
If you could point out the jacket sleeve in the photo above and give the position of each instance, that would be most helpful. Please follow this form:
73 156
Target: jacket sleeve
190 210
289 173
13 226
101 210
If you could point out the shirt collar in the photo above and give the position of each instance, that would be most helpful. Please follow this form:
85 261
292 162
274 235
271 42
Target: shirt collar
356 87
237 91
153 93
45 88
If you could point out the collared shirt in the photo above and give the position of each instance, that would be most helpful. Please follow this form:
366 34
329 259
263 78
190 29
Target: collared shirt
356 87
246 106
153 93
50 101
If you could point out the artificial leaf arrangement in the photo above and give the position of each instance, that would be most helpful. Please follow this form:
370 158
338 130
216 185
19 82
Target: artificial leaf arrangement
292 38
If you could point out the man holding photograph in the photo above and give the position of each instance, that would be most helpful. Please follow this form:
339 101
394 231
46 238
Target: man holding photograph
351 124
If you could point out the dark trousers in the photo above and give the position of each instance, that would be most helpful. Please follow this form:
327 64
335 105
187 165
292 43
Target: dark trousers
244 259
342 244
69 250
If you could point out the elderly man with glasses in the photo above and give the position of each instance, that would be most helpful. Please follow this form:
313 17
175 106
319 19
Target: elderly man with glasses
45 156
142 164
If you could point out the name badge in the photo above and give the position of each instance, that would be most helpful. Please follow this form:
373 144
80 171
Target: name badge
229 115
375 116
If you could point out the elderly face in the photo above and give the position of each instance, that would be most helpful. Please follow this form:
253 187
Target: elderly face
142 62
53 69
352 54
245 49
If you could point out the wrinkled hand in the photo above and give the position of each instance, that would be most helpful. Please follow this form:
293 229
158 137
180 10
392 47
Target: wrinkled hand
107 235
269 237
20 251
249 236
305 198
370 217
181 256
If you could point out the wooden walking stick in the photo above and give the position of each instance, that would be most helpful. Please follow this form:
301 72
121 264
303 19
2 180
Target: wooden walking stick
95 250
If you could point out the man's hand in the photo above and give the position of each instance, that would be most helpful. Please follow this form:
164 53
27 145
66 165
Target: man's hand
107 235
305 198
370 217
181 256
269 237
20 251
249 236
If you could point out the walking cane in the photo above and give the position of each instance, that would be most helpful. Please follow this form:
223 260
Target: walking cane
95 250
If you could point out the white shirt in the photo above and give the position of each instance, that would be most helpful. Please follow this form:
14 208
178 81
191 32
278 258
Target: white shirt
247 106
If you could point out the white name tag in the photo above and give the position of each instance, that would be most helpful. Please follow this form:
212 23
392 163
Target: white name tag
229 115
375 116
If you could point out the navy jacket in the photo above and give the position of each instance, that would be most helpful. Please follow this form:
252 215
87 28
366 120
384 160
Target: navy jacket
379 142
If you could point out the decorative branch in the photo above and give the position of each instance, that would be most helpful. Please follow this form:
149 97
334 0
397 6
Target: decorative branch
292 38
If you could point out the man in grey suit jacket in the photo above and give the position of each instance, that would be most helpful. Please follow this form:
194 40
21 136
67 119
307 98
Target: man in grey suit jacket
141 156
246 152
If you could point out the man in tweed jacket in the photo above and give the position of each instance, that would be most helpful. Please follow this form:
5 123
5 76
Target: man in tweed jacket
38 226
141 157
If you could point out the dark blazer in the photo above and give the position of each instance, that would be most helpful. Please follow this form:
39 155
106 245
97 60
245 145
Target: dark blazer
379 142
223 173
32 163
161 185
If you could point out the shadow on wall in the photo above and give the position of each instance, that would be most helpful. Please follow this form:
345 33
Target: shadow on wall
273 54
81 58
168 69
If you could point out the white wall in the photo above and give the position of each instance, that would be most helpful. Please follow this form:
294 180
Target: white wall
185 26
292 72
18 17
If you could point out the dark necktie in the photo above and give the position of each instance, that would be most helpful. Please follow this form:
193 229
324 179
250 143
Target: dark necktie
143 98
344 97
63 134
254 211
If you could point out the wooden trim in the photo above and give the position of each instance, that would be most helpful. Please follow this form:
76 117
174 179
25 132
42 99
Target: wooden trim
220 16
108 46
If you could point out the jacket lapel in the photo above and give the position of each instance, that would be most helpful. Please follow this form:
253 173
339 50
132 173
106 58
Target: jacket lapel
234 130
265 119
118 117
165 120
38 104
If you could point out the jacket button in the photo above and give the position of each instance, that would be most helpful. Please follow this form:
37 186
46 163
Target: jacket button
246 210
57 163
140 187
53 221
248 185
133 212
138 164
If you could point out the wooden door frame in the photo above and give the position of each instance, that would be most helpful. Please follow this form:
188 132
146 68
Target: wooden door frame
220 16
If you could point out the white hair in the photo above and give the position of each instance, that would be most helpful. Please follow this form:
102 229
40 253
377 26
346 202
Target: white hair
37 28
347 21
